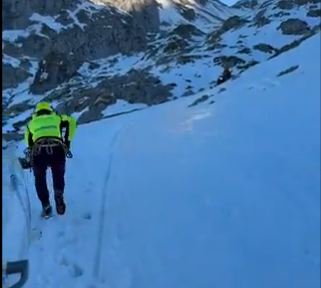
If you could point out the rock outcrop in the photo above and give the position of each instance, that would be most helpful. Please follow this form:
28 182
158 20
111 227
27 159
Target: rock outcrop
145 12
294 27
55 69
135 87
12 76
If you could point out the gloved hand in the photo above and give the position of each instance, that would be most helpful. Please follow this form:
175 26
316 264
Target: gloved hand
25 162
27 152
69 154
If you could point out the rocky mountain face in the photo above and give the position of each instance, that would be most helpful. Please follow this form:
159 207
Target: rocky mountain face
209 13
69 29
144 11
87 56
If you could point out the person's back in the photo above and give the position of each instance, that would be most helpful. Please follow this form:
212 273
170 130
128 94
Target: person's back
44 124
227 73
48 148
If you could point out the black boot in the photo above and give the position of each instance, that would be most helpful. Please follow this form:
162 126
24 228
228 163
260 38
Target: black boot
60 203
46 211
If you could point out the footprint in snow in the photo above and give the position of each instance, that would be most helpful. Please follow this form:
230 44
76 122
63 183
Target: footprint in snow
76 271
60 234
64 261
69 241
86 216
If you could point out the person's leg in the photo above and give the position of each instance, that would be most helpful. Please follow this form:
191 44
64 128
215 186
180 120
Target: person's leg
39 171
58 163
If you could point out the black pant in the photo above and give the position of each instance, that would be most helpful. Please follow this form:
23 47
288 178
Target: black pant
56 160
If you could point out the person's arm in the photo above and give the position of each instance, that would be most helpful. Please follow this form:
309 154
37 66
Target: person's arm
70 124
28 138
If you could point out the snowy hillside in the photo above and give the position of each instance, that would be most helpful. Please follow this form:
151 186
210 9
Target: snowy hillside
184 60
220 189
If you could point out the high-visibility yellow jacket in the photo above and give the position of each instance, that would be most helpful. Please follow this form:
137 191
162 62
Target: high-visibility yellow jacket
50 125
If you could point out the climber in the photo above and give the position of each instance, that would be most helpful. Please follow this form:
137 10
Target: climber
227 74
48 147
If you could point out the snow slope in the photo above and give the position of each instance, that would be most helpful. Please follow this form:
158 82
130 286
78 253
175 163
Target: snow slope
224 195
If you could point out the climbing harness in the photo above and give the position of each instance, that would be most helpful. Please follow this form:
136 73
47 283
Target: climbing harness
48 144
